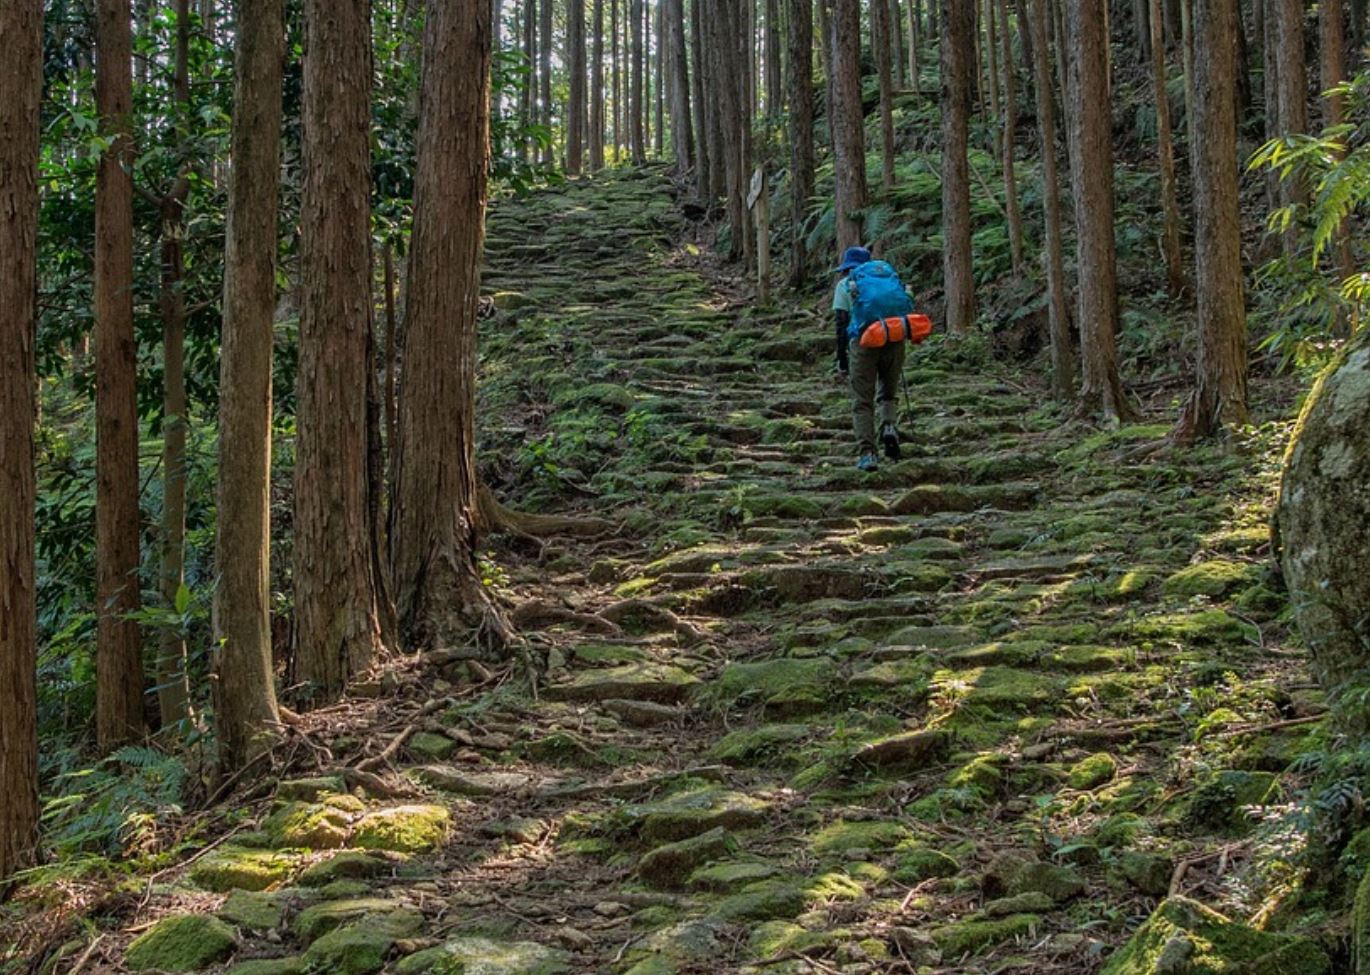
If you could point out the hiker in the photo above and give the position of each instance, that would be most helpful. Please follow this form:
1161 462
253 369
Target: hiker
872 316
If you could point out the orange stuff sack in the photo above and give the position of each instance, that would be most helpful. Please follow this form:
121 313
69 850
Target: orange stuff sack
903 328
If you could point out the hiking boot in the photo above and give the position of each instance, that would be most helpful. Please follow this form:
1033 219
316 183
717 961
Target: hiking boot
889 437
868 463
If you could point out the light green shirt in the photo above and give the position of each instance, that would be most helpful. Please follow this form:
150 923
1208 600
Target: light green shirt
842 296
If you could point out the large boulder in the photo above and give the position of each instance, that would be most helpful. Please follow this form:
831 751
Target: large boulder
1323 527
1185 938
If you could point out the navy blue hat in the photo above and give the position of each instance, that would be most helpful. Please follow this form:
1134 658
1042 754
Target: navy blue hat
852 257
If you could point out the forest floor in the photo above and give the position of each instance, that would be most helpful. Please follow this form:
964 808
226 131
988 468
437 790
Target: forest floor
978 712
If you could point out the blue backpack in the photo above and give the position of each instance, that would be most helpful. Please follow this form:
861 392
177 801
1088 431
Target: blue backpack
877 293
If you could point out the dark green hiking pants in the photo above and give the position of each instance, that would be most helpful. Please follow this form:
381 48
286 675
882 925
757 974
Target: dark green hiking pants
874 380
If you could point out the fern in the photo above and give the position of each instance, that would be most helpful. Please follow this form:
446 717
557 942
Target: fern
108 808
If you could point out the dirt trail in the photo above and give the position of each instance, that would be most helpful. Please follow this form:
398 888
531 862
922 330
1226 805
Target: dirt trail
976 712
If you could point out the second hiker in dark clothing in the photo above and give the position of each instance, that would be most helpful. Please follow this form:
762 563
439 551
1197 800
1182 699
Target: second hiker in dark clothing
869 294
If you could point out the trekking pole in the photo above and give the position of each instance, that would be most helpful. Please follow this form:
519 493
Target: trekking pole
908 402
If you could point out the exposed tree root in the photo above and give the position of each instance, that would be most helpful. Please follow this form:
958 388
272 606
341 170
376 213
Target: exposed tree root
495 517
540 613
653 615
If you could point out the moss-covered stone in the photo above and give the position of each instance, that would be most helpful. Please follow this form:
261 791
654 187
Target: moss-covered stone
916 861
318 919
1184 937
671 865
693 812
765 679
233 868
1092 772
252 910
660 683
970 936
765 900
317 826
348 864
746 745
841 837
362 947
1009 874
1221 801
292 965
485 956
1214 578
183 943
428 747
404 829
1207 628
1029 902
1148 872
726 878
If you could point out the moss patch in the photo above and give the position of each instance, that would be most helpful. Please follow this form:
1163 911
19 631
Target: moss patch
233 868
185 943
404 829
1184 936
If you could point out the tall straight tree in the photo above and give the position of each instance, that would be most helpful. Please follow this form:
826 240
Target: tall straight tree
799 30
173 684
1015 215
723 19
1165 150
337 597
1091 122
1219 396
433 516
882 47
678 85
575 107
637 105
616 35
775 88
848 121
244 690
119 662
1062 354
21 88
545 75
1293 99
528 90
597 91
958 67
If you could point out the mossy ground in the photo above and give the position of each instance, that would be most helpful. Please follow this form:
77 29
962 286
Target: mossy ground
1016 642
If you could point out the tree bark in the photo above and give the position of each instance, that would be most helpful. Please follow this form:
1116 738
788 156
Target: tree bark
682 126
438 589
1062 353
21 86
659 85
575 109
545 77
799 29
704 110
1293 99
915 74
597 120
1091 122
616 36
527 93
636 104
958 66
245 693
173 683
1015 215
730 90
775 89
1322 531
1332 72
337 618
1270 47
119 662
1219 396
847 121
1165 150
882 49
